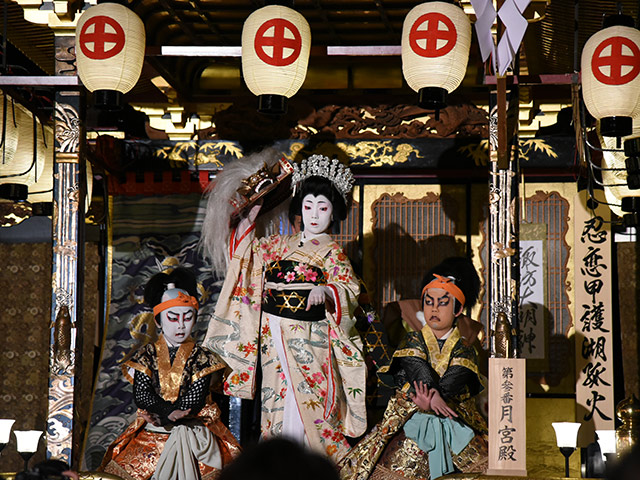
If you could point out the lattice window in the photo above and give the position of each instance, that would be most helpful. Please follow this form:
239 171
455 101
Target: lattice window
553 210
411 236
348 236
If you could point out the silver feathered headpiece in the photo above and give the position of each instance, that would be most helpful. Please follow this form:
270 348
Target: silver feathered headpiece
319 165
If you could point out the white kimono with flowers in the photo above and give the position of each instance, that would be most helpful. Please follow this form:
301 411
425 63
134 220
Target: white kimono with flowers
322 372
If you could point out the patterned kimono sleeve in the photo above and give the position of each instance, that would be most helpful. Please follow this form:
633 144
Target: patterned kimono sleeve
410 363
414 369
345 404
233 331
461 377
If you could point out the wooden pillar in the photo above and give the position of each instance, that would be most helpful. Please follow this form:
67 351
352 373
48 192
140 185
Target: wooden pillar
69 191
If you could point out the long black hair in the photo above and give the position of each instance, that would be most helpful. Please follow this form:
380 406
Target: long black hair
464 275
156 286
317 185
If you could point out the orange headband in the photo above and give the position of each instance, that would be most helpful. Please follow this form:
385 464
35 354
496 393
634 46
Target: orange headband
181 300
445 284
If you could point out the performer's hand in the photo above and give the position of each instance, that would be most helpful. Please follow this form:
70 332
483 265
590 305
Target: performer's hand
178 414
317 296
439 406
151 418
422 397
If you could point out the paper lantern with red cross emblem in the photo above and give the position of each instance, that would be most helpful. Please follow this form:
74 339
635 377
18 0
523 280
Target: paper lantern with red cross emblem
110 43
276 41
436 37
610 67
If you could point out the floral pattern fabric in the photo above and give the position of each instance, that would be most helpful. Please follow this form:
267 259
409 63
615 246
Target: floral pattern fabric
324 357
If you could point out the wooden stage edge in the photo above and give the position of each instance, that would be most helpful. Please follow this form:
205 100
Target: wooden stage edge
474 476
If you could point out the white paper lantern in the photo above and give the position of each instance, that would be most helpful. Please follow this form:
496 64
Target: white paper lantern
436 37
610 67
31 173
276 42
110 44
34 174
11 135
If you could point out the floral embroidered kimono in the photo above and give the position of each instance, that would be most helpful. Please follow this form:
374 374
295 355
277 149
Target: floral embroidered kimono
313 373
197 446
387 452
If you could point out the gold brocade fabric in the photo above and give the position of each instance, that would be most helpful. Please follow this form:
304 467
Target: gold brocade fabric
172 380
386 453
403 457
362 459
171 374
440 358
135 453
454 353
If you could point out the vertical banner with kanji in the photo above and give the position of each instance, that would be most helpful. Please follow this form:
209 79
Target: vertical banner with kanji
532 327
593 316
507 417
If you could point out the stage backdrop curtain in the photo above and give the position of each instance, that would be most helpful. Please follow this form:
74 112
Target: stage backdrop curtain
149 234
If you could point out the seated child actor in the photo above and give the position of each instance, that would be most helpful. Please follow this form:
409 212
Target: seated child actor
432 426
177 433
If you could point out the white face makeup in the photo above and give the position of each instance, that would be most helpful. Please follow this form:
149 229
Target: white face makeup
316 214
438 309
176 322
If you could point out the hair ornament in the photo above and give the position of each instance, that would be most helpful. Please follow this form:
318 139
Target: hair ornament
182 300
319 165
447 284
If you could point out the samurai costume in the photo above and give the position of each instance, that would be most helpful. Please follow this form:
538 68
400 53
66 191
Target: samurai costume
166 379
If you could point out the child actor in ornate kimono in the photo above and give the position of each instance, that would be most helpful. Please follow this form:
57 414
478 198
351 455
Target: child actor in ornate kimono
431 427
177 433
288 300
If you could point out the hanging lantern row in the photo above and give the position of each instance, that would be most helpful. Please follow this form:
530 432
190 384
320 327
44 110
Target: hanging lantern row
276 42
